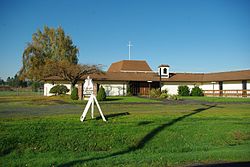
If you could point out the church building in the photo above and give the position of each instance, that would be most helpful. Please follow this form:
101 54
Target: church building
137 76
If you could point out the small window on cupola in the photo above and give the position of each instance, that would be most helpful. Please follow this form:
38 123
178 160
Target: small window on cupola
165 71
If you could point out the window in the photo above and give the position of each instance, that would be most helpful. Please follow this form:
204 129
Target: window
244 85
165 71
221 85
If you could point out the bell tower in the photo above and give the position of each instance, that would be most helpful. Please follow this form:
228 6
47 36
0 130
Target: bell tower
163 70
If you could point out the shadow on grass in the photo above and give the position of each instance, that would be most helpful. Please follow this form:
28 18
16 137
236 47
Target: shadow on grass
8 150
144 123
113 115
148 137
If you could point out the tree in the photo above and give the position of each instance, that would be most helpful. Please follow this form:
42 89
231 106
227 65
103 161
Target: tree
49 45
59 89
35 86
12 81
74 94
183 90
196 91
70 72
2 81
101 94
52 53
15 82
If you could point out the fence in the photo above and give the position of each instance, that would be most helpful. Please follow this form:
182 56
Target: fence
227 93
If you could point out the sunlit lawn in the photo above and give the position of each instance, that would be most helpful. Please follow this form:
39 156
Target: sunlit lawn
218 99
42 131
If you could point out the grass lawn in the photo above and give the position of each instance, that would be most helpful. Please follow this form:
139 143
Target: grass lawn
20 93
218 99
46 131
130 99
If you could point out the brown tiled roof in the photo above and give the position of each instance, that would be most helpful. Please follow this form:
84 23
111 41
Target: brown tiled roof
174 77
228 76
189 77
129 65
126 76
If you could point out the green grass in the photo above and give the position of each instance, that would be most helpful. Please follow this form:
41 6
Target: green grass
218 99
130 99
20 93
46 131
65 99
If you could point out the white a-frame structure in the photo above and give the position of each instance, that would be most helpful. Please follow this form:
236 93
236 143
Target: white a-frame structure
92 100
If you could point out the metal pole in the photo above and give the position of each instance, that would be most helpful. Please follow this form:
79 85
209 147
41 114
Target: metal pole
160 79
149 89
213 89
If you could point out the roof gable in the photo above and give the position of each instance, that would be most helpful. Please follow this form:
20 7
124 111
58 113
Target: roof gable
130 66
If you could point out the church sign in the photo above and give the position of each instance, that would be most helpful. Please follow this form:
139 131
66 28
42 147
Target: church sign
88 87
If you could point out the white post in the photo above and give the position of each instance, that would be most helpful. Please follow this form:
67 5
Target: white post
86 109
92 109
99 108
91 102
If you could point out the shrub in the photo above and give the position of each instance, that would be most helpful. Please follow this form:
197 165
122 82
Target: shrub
174 97
164 91
101 94
35 86
196 91
155 93
164 96
183 90
74 94
59 89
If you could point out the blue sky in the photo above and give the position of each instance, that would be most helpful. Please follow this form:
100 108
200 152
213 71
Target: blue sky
189 35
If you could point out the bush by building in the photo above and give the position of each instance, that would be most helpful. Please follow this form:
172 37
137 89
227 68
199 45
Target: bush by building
59 89
183 90
101 94
196 91
155 93
74 94
164 96
173 97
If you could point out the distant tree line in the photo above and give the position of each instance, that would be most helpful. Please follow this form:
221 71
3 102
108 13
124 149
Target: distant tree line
16 82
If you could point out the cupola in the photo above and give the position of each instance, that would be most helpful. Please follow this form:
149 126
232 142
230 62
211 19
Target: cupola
163 70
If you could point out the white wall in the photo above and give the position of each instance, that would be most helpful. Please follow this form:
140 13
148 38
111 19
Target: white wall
209 86
120 88
48 86
172 87
115 89
237 85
